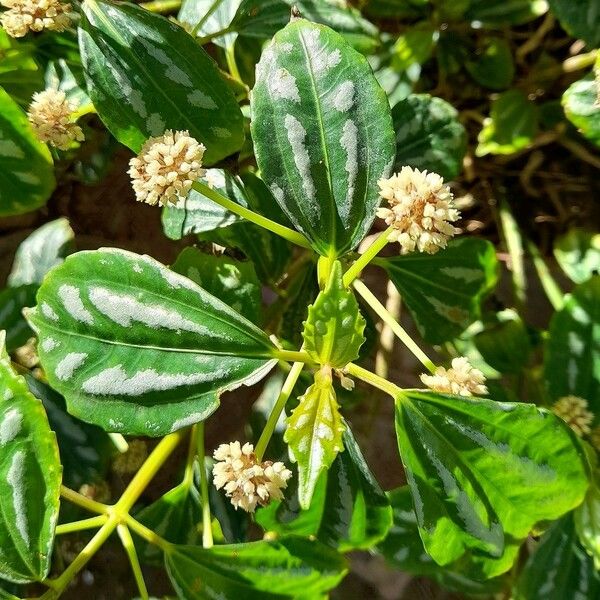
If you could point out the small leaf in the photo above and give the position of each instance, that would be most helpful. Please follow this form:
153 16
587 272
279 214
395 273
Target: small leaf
333 331
314 434
494 67
288 568
511 125
415 46
578 254
349 511
26 170
581 19
483 474
139 349
30 477
146 74
12 302
443 291
572 356
44 249
559 568
232 281
322 133
429 135
580 102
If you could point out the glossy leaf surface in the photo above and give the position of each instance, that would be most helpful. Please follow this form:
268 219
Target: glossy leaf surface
139 349
578 254
12 302
580 102
587 521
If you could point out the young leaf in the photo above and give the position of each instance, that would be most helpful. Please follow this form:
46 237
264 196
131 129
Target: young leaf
333 331
581 19
572 356
45 248
580 102
139 349
322 133
288 568
429 135
314 434
493 68
30 477
12 302
443 291
578 254
26 170
146 74
348 511
484 473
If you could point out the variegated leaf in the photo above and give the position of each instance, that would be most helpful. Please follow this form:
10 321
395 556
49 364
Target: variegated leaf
322 133
139 349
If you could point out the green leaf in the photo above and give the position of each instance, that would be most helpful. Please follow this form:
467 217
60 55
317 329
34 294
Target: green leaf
578 254
587 521
146 74
559 568
500 13
314 434
415 46
580 102
396 9
69 79
429 135
322 133
511 125
484 473
572 356
232 281
30 475
12 302
26 170
20 75
42 250
580 18
333 330
494 67
288 568
139 349
212 15
348 511
443 291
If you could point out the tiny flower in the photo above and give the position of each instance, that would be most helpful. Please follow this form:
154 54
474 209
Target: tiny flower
50 115
421 210
166 167
246 481
574 412
461 379
34 15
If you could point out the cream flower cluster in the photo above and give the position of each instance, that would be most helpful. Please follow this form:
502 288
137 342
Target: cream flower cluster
462 379
51 116
574 412
34 15
246 481
166 167
421 210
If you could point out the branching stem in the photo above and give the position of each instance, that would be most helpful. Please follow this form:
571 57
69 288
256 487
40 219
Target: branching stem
207 537
372 379
90 523
366 257
129 547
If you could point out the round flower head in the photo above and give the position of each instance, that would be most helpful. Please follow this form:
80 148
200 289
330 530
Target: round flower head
34 15
574 412
166 167
50 115
461 379
420 209
246 481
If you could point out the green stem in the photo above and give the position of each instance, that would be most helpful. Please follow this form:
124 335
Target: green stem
162 6
205 17
379 382
284 395
366 257
188 477
147 534
250 215
119 441
215 34
207 537
293 356
83 501
514 245
231 64
553 292
90 523
129 547
389 320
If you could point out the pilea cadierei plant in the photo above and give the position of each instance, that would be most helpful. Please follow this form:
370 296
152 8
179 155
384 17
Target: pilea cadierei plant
137 348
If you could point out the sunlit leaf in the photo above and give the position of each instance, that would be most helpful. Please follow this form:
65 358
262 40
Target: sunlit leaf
580 102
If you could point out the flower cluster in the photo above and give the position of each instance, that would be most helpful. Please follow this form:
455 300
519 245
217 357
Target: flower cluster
166 167
462 379
574 412
34 15
421 210
246 481
51 116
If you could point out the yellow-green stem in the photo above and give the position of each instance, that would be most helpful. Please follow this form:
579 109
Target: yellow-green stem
162 6
250 215
188 476
129 547
231 64
366 257
398 330
207 537
293 356
147 534
83 501
553 292
284 395
119 441
90 523
514 245
372 379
